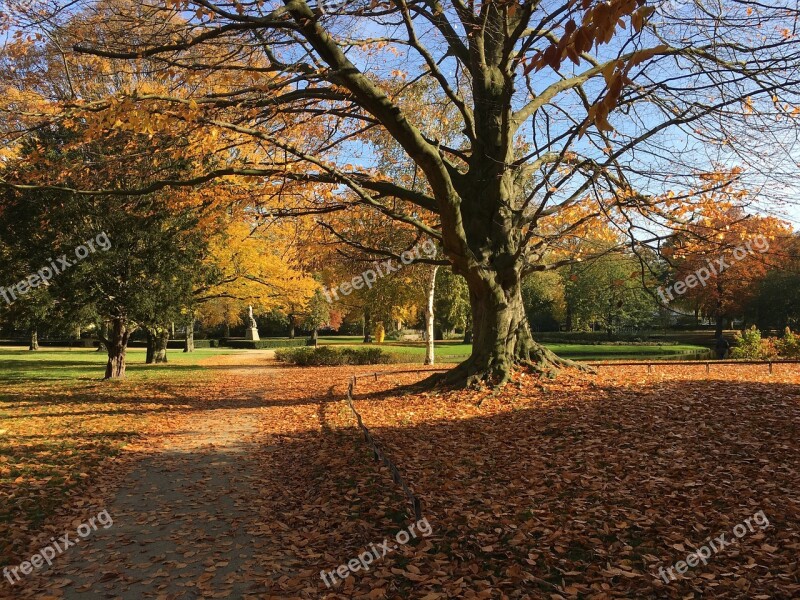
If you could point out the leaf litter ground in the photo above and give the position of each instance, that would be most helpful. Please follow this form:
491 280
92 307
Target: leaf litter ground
249 483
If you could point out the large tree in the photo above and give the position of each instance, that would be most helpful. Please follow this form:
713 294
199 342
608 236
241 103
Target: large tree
569 113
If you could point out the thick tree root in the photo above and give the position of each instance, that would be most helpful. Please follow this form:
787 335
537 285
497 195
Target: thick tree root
477 372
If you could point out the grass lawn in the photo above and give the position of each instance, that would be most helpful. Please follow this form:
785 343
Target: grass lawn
63 364
454 351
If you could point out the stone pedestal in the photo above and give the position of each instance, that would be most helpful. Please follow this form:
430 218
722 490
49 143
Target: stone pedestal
252 333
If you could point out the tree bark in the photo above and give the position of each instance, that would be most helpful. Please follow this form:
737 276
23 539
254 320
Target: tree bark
157 340
117 346
429 318
150 353
719 326
468 335
367 325
502 339
188 345
34 345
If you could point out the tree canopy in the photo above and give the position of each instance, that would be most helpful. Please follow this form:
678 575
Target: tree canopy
515 128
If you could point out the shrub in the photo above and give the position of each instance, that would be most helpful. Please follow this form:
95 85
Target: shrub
789 345
330 356
749 344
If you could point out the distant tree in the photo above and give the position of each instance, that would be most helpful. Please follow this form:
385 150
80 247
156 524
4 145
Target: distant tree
543 297
720 259
451 303
776 301
608 293
317 314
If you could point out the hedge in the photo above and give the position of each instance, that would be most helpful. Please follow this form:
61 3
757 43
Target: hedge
81 343
330 356
176 344
601 338
267 343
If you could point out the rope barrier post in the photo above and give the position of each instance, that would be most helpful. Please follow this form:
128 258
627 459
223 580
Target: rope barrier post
708 367
397 478
770 367
417 509
649 368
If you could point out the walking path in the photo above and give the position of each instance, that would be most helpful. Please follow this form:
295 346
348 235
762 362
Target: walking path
188 522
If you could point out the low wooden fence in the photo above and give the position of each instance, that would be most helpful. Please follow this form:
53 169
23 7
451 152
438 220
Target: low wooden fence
378 453
707 363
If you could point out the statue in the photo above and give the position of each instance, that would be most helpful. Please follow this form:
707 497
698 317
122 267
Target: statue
252 320
252 329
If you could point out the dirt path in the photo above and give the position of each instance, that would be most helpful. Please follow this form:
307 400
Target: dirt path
184 524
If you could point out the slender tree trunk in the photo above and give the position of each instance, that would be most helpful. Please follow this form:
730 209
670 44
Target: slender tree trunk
468 335
34 345
188 345
291 327
315 336
117 346
367 325
719 326
226 331
429 318
720 316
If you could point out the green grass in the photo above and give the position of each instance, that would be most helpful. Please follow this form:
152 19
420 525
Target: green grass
51 364
454 351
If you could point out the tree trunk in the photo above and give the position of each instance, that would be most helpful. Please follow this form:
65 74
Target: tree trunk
157 340
719 326
367 325
117 346
188 345
291 327
315 336
34 339
468 335
151 348
226 331
502 339
429 345
720 315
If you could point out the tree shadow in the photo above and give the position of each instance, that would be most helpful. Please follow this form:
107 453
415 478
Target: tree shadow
590 490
